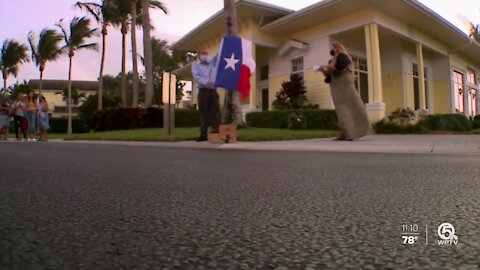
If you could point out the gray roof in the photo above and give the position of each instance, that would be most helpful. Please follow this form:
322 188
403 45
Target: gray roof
62 84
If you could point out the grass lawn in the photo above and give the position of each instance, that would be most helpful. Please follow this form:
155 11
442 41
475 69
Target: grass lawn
188 134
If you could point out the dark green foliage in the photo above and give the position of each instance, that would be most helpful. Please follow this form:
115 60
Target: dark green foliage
19 88
431 123
292 95
59 125
131 118
387 127
297 121
89 106
187 118
315 119
445 122
476 122
402 116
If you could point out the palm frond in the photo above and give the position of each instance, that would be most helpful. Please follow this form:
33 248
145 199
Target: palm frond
94 9
13 54
49 45
65 35
91 46
159 5
33 48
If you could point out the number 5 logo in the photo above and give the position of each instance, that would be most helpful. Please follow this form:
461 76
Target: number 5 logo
446 231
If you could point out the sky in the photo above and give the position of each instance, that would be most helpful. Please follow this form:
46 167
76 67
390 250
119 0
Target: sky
21 16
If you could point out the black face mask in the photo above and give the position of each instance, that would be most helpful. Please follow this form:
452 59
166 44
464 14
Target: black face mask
332 52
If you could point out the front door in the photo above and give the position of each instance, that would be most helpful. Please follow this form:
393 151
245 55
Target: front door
265 99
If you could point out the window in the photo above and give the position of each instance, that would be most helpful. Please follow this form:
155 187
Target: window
416 86
458 89
360 70
471 76
264 73
472 91
297 66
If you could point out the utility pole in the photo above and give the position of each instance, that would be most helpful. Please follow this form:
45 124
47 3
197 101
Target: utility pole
232 110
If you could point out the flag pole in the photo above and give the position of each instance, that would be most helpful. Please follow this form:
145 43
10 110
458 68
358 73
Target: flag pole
231 107
231 28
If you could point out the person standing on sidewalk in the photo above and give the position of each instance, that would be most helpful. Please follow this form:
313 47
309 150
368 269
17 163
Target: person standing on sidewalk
4 116
20 108
31 115
43 123
208 102
351 113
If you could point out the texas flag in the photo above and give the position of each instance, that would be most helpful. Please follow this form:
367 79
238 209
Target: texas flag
235 65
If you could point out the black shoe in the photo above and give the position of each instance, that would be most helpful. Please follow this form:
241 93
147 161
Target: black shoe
202 139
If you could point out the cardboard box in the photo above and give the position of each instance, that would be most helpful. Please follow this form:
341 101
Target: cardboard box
228 133
215 138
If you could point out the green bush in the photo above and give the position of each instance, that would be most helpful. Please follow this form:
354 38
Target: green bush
187 118
402 116
445 122
476 122
59 125
387 127
315 119
89 106
436 122
131 118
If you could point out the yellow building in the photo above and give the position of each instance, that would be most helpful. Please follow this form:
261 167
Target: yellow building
53 92
393 43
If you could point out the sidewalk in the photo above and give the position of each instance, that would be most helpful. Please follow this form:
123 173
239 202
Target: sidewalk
414 144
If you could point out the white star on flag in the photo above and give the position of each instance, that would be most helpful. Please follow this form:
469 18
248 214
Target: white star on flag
231 62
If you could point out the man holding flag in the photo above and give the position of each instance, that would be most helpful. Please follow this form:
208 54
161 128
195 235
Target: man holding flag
208 102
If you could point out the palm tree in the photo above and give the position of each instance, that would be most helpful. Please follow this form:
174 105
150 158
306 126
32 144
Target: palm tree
47 48
120 17
133 25
76 95
125 13
147 45
102 13
12 55
75 40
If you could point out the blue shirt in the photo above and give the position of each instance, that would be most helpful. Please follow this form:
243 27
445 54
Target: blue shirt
204 72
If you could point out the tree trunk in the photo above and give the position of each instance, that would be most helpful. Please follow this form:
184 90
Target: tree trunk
69 96
123 82
40 86
4 83
147 53
102 64
232 109
133 8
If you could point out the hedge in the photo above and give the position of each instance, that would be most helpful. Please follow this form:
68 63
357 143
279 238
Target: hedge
449 122
59 125
131 118
315 119
435 122
476 122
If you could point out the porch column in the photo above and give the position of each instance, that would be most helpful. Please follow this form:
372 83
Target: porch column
421 77
253 81
375 105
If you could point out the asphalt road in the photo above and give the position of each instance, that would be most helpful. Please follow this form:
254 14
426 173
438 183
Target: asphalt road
70 206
